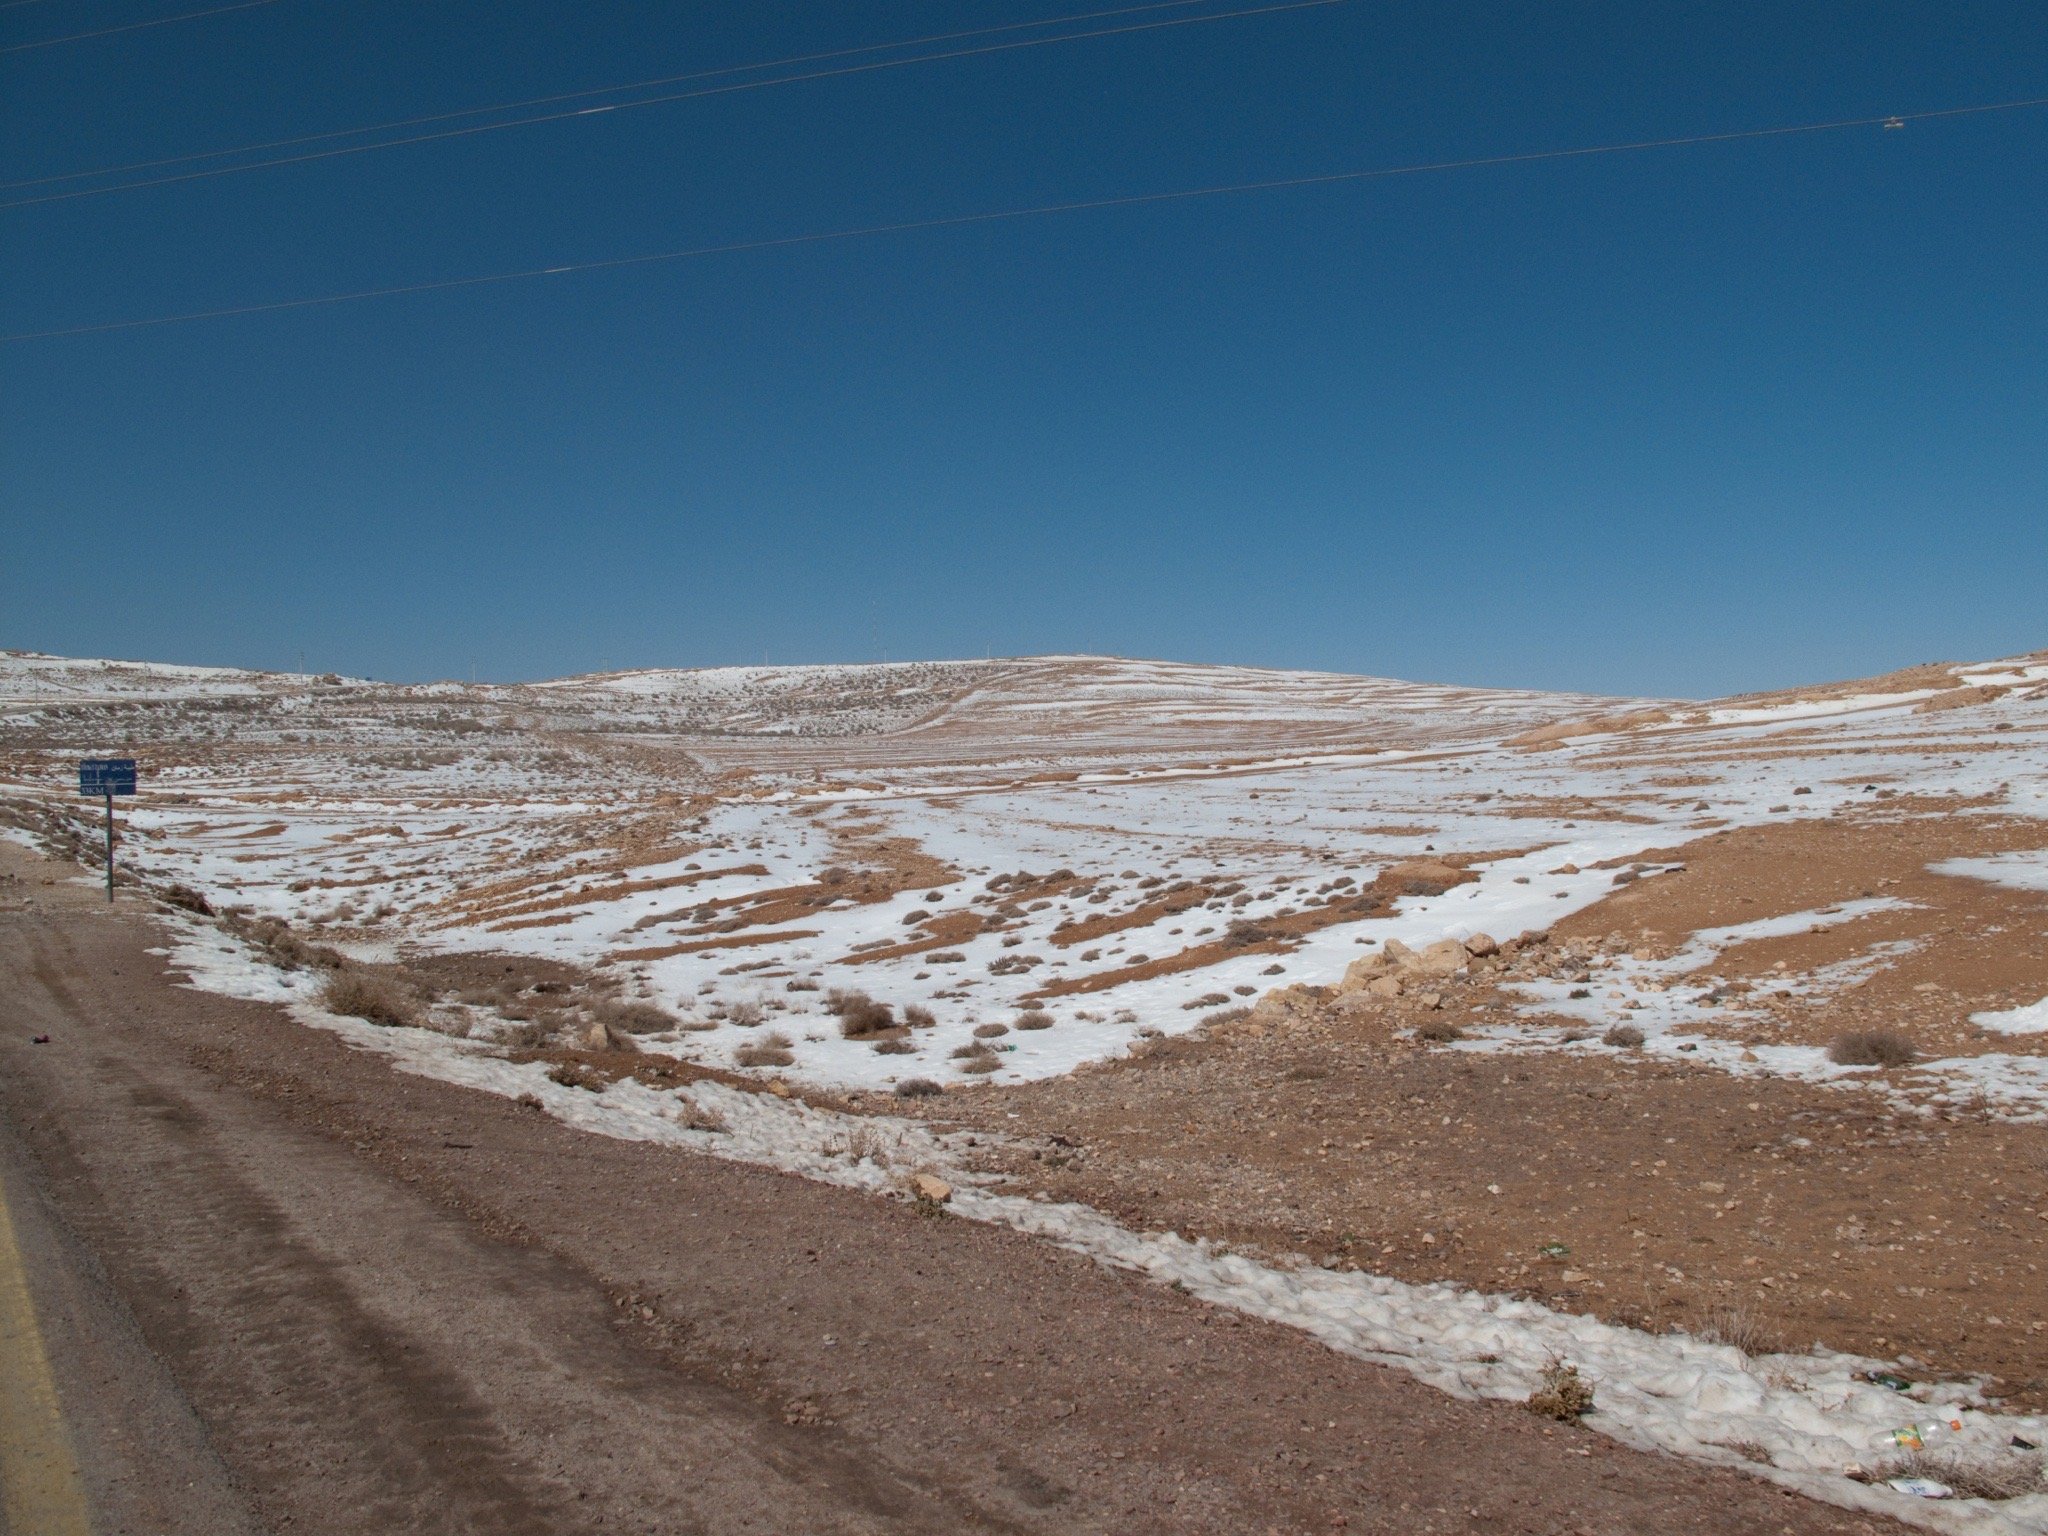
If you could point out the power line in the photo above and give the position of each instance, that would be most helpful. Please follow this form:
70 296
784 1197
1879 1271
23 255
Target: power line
954 221
133 26
584 95
673 96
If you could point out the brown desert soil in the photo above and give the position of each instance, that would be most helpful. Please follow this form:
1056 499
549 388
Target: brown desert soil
1778 1212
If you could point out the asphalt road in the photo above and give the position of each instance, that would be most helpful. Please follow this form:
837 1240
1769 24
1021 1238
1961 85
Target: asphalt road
278 1286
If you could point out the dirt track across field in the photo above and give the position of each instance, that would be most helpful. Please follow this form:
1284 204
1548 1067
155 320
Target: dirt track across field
324 1296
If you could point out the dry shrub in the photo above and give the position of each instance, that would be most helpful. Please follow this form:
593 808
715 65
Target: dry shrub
275 937
1206 1000
979 1064
945 957
529 1034
1972 1477
763 1055
633 1018
860 1016
1224 1016
918 1017
1438 1031
990 1031
363 996
1741 1328
1872 1048
917 1088
190 900
1242 931
702 1117
1565 1395
1032 1018
973 1048
1627 1036
894 1048
745 1014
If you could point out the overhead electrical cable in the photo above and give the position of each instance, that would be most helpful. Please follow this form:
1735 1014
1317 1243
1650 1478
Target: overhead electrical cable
672 96
134 26
955 221
584 95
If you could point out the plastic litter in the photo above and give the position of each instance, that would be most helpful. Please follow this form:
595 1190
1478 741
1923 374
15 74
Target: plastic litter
1890 1379
1922 1487
1553 1250
1914 1437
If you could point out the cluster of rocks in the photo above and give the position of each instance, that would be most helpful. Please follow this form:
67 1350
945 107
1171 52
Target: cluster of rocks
1401 975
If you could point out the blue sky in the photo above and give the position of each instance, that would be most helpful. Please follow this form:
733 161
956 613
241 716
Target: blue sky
1683 421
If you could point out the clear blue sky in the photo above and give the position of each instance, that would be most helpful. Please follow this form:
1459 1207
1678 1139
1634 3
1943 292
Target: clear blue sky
1683 421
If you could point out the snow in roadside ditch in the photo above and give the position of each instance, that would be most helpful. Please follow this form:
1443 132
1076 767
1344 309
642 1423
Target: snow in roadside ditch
1809 1412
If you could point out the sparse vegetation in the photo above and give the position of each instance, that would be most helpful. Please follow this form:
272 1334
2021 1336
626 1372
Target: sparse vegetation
362 995
916 1016
1625 1036
771 1050
1739 1327
1565 1395
1872 1048
634 1018
860 1016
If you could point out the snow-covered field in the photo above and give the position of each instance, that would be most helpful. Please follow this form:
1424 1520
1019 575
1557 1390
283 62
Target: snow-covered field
991 837
1128 848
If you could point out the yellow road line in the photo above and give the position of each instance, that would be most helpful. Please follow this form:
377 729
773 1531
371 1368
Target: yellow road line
40 1489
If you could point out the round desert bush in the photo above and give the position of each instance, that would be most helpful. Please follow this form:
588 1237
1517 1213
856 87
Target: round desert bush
363 996
1032 1018
1625 1035
1872 1048
633 1018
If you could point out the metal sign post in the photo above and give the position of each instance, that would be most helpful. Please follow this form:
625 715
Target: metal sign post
107 777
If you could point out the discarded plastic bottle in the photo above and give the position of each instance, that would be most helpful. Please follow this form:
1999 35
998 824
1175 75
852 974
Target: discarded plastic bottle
1914 1437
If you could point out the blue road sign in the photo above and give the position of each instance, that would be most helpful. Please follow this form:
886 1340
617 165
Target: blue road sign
99 776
